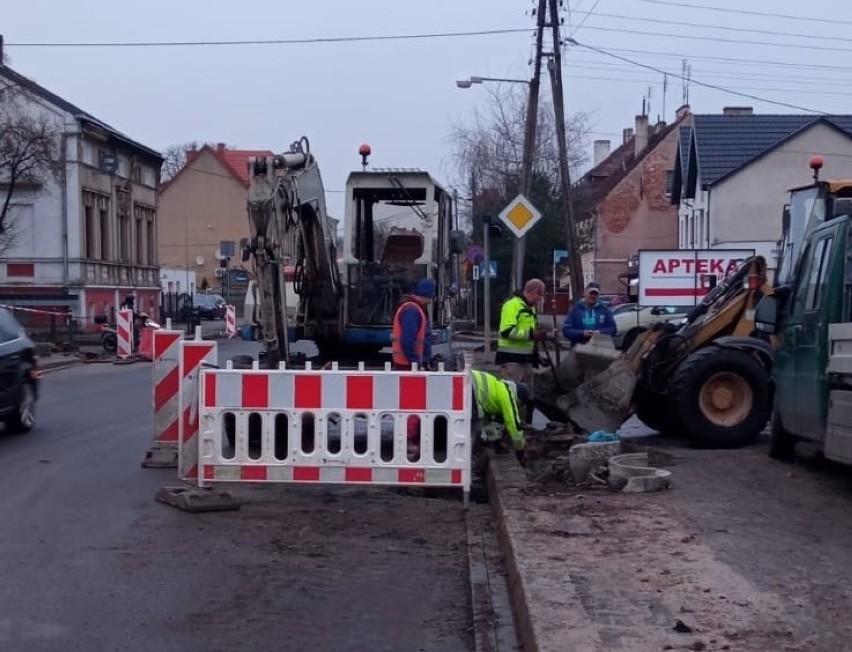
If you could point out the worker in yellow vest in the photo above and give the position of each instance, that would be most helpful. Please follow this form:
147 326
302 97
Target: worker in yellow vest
519 334
496 409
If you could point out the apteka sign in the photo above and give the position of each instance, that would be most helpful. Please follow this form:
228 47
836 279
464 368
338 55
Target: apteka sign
682 277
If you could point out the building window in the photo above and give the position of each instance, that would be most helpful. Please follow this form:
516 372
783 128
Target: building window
91 242
151 241
669 182
140 241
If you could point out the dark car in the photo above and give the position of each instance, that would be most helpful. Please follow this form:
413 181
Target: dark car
204 306
19 376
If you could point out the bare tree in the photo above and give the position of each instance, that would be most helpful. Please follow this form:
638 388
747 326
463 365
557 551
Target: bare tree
174 158
490 150
29 153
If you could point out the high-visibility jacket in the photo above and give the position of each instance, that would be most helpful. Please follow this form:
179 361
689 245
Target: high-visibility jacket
518 320
398 354
497 402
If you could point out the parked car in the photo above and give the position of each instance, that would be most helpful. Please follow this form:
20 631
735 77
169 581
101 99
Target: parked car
634 320
19 376
204 306
622 307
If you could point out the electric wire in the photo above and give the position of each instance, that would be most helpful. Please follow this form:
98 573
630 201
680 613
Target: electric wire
745 12
692 80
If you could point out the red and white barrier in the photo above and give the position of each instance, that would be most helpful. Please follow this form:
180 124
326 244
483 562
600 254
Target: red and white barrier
146 344
230 321
335 426
124 333
194 354
166 369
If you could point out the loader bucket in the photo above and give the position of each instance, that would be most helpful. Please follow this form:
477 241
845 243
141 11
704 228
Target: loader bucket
602 402
596 384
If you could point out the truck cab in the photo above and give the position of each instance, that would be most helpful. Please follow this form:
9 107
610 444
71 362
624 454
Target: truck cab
811 317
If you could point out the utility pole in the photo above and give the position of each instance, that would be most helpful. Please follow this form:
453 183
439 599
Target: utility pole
575 264
530 124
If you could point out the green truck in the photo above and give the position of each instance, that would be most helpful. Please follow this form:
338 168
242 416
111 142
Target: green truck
810 317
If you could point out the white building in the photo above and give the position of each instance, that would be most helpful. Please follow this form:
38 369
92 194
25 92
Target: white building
88 237
734 171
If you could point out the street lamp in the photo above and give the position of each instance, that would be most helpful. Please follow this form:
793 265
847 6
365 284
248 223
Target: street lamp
470 81
526 164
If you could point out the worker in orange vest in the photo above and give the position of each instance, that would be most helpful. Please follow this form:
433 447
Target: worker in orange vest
411 339
411 343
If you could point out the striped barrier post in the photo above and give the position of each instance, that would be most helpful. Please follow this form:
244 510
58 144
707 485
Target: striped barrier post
194 354
124 333
230 321
166 363
335 426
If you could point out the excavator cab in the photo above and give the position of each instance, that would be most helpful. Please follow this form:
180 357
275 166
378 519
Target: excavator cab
398 225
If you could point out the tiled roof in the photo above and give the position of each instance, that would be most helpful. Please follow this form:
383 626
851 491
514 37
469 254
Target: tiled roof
32 87
596 184
724 144
236 160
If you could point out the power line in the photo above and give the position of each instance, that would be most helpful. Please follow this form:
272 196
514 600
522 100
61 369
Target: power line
750 30
293 41
720 39
585 18
735 60
692 79
746 12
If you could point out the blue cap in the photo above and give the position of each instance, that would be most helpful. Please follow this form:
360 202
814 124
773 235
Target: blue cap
425 288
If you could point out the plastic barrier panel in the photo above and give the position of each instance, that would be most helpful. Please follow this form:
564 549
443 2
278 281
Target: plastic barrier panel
124 333
336 426
230 321
194 354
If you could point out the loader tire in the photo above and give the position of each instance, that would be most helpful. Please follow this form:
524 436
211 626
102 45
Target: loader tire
722 396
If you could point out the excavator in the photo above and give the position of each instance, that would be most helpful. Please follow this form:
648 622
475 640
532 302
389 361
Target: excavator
398 228
707 378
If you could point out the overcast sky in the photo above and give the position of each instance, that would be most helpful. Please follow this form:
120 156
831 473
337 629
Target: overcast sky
400 95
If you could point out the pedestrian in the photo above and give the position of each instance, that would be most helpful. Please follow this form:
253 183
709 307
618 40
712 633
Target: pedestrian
519 334
588 317
411 338
496 408
411 343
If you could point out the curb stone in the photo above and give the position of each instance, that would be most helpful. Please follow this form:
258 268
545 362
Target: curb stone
505 473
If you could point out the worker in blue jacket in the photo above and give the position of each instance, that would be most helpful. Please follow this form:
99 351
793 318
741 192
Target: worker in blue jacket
587 317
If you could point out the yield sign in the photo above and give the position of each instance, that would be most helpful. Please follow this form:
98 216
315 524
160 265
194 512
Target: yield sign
520 215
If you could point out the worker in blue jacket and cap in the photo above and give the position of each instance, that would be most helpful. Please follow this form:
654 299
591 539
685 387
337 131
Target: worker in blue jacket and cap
588 317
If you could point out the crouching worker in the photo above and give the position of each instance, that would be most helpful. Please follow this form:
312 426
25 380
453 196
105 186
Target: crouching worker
495 411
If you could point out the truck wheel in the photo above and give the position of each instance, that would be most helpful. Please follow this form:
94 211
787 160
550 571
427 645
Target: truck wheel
722 396
782 444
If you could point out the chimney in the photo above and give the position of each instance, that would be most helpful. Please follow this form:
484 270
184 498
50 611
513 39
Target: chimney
641 134
682 111
660 126
626 135
220 147
191 155
737 110
601 151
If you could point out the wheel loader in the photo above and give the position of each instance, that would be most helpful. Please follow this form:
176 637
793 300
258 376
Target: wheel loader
707 378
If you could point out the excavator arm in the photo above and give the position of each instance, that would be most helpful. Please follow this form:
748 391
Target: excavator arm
288 224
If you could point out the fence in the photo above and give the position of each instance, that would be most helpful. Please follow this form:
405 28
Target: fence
335 426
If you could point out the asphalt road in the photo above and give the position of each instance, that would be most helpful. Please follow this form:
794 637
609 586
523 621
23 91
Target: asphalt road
89 561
